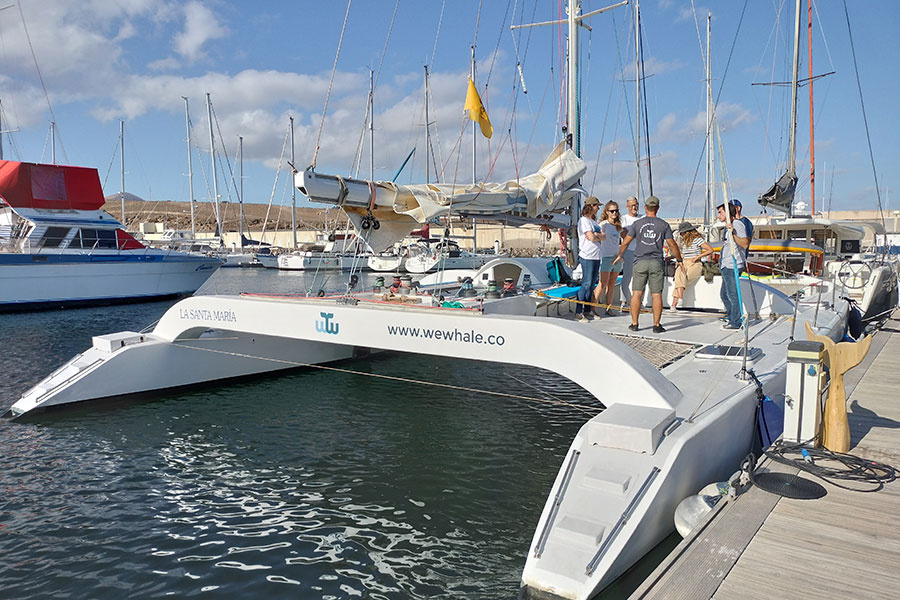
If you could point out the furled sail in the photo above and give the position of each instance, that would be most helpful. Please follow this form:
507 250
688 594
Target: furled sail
401 208
781 195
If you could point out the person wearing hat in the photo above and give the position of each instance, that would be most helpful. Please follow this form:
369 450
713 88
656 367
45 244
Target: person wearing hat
629 218
732 260
693 249
590 235
651 234
738 208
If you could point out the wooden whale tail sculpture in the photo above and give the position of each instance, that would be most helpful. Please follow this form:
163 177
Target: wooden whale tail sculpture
840 357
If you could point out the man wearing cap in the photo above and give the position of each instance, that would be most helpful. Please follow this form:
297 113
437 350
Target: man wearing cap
628 219
651 234
732 260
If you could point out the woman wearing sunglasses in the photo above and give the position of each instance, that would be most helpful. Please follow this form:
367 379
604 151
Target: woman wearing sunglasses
611 224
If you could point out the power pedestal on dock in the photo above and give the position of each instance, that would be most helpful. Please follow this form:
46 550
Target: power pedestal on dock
803 391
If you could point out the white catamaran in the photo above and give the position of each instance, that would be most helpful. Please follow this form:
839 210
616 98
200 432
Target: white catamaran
680 408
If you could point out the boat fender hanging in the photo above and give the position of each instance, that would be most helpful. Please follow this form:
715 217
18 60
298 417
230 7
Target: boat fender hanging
321 294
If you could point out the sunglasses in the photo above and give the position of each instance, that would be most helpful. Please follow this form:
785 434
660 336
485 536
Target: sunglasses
615 210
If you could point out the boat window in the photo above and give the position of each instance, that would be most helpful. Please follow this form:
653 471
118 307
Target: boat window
797 234
98 238
769 234
818 237
54 236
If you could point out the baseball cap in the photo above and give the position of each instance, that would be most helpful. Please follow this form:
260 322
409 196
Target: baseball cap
591 201
652 201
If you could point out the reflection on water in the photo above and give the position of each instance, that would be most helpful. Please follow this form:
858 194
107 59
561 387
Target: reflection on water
315 484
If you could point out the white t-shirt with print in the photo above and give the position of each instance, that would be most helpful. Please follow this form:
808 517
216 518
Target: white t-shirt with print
586 248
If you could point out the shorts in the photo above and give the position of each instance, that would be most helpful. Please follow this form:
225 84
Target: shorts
606 264
649 270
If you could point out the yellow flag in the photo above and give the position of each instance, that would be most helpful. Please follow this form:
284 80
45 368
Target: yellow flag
476 110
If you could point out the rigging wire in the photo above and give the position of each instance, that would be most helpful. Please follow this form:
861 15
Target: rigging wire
330 85
41 78
291 363
865 120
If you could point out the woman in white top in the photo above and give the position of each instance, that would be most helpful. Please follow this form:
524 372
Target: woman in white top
590 235
693 249
611 225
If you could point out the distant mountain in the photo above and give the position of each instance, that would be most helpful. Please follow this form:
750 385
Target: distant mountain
129 197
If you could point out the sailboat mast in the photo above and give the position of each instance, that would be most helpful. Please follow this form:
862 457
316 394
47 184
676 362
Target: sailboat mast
122 156
212 157
241 190
293 191
53 142
1 130
427 139
572 78
637 99
372 124
793 144
474 131
187 124
812 138
710 173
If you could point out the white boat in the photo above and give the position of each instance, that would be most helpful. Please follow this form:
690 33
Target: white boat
58 248
441 255
792 253
680 404
669 427
334 252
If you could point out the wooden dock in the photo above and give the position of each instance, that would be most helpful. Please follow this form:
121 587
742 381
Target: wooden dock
845 545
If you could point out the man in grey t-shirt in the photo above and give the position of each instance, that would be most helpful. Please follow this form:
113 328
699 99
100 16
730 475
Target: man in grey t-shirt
650 234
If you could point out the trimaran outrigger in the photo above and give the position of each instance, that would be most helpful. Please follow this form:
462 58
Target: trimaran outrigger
680 405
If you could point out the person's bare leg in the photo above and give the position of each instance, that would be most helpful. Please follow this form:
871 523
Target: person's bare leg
677 294
657 308
636 298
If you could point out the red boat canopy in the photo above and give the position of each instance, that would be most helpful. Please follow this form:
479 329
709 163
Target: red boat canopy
30 185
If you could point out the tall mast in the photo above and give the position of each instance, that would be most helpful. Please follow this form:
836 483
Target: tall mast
710 168
241 190
187 124
427 139
372 124
1 130
812 137
122 156
53 142
637 99
793 147
574 20
212 156
293 191
474 131
574 140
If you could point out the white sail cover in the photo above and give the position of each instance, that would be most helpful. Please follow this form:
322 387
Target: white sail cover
400 208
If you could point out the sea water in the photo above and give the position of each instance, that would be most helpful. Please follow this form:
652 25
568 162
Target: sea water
315 484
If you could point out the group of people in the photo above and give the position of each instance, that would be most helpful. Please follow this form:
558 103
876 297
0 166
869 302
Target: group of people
635 245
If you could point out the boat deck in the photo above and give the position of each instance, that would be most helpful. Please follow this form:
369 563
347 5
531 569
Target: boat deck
685 330
844 545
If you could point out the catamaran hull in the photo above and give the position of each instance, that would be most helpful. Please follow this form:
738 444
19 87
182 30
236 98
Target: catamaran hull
126 364
109 279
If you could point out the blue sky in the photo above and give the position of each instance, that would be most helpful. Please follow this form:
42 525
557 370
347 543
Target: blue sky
105 60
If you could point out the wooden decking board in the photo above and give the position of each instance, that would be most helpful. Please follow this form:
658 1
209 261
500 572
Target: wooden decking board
845 545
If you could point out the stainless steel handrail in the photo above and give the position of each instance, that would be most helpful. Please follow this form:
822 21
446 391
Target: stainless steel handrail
592 566
557 500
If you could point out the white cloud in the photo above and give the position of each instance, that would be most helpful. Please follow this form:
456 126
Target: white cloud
164 64
200 26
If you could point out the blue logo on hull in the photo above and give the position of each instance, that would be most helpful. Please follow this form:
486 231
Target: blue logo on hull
327 326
